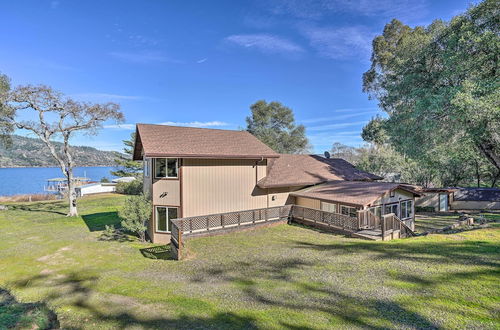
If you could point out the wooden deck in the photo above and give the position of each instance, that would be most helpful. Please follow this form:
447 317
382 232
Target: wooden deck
376 234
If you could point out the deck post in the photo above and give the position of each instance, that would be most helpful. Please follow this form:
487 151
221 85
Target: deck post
382 227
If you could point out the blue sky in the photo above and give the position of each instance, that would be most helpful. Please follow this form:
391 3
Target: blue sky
203 63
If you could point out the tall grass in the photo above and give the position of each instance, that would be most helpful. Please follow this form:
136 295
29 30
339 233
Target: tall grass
28 198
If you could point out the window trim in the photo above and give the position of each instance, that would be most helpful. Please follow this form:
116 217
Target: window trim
348 207
156 218
409 210
166 177
335 206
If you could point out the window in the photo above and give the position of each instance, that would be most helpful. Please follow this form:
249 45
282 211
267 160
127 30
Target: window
348 210
166 167
146 167
392 193
406 209
164 216
391 208
328 207
377 211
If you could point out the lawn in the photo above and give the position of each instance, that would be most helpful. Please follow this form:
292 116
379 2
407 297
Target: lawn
285 276
430 222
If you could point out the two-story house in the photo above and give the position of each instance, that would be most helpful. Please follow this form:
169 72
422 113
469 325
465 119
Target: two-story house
199 171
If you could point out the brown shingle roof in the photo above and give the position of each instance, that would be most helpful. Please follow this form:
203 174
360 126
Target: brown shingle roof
351 192
174 141
303 170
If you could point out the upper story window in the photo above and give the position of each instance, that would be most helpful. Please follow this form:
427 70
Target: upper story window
166 167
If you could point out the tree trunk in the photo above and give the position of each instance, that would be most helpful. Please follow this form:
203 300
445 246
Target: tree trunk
495 178
488 149
73 212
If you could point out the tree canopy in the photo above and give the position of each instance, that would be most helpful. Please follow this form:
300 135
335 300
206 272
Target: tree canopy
127 166
274 124
54 116
439 86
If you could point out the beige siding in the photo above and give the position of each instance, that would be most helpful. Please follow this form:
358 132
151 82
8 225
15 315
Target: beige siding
215 186
308 202
398 195
428 200
280 196
167 192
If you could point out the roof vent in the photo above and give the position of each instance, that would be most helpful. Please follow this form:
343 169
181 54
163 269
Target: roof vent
327 155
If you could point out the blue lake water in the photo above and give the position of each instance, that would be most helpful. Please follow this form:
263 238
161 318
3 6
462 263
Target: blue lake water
31 180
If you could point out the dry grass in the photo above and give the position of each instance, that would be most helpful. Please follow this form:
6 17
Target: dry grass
28 198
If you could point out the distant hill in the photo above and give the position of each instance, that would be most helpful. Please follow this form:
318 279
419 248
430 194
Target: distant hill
27 152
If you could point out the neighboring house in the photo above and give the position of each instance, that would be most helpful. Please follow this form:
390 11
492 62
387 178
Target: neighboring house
198 171
458 199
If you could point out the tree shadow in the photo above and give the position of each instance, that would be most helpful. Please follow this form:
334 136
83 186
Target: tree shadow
98 221
161 252
122 311
14 314
43 207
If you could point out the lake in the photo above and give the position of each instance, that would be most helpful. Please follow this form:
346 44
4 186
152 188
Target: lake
31 180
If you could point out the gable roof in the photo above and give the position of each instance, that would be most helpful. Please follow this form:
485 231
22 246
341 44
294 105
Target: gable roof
351 192
304 170
175 141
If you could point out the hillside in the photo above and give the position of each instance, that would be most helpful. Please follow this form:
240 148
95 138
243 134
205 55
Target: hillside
26 151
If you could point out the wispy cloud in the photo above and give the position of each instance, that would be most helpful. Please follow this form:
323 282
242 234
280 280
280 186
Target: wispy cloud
336 126
317 9
203 60
340 43
106 97
127 127
205 124
265 43
196 123
143 57
343 115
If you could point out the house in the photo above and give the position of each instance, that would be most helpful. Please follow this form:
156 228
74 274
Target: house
191 172
458 199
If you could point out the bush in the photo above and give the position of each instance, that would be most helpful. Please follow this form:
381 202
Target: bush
104 180
135 214
129 188
425 209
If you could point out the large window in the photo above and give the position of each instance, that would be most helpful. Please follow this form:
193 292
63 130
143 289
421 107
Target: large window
376 210
328 207
166 167
391 208
406 209
164 216
348 210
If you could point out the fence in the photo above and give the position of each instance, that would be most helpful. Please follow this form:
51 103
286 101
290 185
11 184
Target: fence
217 223
328 219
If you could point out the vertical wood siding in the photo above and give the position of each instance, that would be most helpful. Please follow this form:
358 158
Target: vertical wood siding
308 202
215 186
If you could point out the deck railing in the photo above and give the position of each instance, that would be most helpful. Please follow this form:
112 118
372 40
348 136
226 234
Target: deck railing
392 222
213 223
336 220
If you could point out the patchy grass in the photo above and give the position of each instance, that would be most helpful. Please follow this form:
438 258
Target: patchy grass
278 277
428 222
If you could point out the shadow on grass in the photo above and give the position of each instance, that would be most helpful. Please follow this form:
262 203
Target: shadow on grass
304 287
161 252
14 314
120 312
98 221
45 207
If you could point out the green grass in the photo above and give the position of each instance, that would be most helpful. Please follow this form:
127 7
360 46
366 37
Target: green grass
429 222
280 277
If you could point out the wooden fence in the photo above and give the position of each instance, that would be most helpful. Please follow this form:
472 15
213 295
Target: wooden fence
222 222
323 218
233 221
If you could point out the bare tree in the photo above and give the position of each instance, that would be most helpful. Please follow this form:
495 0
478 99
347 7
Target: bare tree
57 117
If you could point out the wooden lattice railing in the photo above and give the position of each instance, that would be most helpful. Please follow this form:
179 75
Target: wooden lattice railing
330 219
212 223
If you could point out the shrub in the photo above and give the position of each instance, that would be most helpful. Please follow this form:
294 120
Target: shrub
104 180
129 188
135 214
424 209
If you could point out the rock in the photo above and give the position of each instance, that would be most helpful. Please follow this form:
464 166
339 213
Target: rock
3 208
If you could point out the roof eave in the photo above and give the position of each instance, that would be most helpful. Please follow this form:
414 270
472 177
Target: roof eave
209 156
